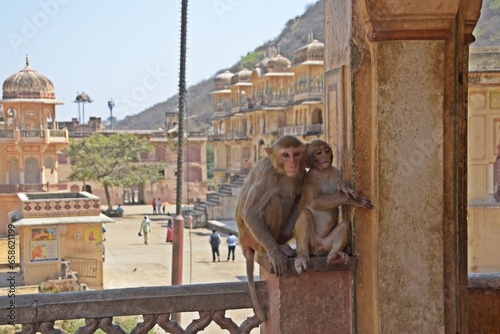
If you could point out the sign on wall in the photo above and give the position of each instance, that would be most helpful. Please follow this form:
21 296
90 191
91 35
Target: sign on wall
44 244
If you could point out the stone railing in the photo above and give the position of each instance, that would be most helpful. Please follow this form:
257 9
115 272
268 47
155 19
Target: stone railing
38 312
16 188
227 136
32 135
301 130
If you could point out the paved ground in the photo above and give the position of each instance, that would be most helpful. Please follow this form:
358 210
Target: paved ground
131 263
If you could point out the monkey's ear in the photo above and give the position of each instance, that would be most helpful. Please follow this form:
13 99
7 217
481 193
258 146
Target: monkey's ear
269 151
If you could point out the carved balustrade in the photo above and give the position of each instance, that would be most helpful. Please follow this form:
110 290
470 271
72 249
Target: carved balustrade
38 312
301 130
15 188
33 135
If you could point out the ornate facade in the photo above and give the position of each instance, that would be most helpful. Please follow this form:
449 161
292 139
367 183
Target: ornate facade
29 139
484 159
254 107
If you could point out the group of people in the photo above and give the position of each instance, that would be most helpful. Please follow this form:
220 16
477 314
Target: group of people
158 206
215 240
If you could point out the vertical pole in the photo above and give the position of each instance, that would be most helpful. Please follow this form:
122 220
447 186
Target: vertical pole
177 251
178 237
182 93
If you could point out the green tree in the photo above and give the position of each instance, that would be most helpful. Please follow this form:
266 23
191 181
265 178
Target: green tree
210 161
112 161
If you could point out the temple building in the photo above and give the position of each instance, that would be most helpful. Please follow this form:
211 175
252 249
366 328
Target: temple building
484 159
29 139
44 225
254 107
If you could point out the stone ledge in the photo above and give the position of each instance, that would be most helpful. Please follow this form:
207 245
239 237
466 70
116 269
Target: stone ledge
316 264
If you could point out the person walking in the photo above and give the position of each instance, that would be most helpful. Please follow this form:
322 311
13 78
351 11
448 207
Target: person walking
145 229
214 241
158 205
232 240
154 206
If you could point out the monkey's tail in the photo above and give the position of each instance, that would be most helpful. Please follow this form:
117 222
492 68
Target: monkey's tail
249 256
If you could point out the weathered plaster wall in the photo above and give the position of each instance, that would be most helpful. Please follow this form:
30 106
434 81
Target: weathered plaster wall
399 129
410 185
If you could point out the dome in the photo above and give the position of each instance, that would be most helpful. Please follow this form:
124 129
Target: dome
223 80
278 63
312 51
28 84
242 76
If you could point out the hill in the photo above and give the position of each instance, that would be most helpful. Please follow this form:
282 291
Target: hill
199 103
293 36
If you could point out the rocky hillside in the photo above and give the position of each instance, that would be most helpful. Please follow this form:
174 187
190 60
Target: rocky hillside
199 103
293 36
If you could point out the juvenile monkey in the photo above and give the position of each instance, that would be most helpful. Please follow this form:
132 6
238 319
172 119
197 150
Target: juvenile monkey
318 231
266 210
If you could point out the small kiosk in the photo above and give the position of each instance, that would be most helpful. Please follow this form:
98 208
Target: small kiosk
57 230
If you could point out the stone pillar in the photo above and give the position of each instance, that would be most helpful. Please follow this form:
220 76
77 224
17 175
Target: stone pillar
316 301
395 113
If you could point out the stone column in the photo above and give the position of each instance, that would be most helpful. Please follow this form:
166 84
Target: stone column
395 113
316 301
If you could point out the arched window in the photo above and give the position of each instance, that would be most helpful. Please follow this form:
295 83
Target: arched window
317 117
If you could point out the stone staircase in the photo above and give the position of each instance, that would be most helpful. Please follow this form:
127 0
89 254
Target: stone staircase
227 193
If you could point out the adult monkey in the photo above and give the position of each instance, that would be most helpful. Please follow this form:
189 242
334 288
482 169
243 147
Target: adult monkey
318 231
266 210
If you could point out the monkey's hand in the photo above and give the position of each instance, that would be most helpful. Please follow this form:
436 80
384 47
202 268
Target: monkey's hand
346 189
362 202
278 261
287 250
301 262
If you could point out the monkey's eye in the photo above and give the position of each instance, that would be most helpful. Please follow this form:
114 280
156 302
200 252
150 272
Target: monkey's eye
285 155
297 154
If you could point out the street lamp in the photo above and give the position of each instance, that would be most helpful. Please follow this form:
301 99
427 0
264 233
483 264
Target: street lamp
111 105
83 98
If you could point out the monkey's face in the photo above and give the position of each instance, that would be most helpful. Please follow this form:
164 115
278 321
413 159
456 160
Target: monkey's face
321 156
292 160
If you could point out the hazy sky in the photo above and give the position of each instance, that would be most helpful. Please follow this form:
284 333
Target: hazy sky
129 50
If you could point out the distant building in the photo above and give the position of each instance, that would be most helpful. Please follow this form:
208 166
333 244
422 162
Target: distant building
484 159
252 108
29 139
194 173
52 227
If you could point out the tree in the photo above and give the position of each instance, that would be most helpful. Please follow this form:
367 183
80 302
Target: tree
112 161
210 161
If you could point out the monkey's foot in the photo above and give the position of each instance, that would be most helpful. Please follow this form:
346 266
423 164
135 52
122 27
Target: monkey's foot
278 261
301 263
287 250
338 257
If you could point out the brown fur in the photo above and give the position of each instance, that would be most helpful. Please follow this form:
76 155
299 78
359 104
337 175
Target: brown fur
323 191
264 213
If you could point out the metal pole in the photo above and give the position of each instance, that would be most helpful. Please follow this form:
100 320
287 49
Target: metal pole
178 237
182 93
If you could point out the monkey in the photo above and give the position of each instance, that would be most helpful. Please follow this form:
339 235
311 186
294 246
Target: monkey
267 208
318 230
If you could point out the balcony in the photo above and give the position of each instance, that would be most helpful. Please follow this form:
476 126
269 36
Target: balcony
227 136
302 130
28 188
34 136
